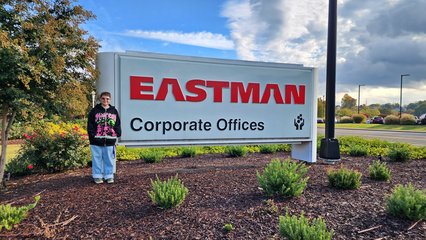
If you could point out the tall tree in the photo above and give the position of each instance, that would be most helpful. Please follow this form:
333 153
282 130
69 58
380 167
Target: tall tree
42 47
321 108
348 101
420 108
388 108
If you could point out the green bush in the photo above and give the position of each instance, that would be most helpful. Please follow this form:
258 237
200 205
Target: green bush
379 171
188 152
344 178
358 118
228 227
408 119
268 148
284 148
153 156
52 147
168 194
285 178
9 216
391 120
124 153
346 119
358 151
18 130
399 154
407 202
377 147
293 227
19 167
236 151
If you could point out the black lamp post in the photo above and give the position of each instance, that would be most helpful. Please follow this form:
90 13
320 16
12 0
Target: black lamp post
359 99
400 96
329 149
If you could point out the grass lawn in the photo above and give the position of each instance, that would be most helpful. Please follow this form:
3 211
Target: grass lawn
416 128
11 151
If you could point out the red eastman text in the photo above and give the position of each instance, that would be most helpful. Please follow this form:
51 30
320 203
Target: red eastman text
141 88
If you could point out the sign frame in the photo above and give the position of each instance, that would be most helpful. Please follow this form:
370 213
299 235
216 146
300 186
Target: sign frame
113 69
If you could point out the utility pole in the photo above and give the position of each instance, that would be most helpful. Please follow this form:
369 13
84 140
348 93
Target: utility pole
400 96
359 99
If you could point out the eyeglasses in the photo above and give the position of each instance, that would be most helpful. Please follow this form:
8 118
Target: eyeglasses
105 98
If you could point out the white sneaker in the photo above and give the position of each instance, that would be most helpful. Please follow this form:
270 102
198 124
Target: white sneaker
110 180
98 180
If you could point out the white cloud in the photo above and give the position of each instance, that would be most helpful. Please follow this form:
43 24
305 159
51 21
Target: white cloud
201 39
377 41
277 30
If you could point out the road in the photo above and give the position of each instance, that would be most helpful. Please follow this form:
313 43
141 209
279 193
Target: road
414 138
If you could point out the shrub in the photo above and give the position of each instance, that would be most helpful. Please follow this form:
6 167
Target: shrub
168 194
346 119
9 216
376 146
407 202
285 178
284 148
188 152
268 148
399 154
53 147
408 119
392 120
344 178
19 167
293 227
379 171
358 118
228 227
236 151
152 156
124 153
358 151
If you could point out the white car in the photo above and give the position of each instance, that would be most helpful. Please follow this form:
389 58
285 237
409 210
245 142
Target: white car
422 119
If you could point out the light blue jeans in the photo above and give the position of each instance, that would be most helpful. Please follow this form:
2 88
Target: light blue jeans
103 161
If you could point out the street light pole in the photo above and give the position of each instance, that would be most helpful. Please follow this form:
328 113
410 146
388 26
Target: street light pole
359 99
93 98
400 96
329 148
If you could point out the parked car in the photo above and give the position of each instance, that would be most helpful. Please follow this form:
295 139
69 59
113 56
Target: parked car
417 120
320 120
378 120
422 119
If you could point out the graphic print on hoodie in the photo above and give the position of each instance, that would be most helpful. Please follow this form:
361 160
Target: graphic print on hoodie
105 125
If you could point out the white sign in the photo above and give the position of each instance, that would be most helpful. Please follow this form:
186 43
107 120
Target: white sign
175 100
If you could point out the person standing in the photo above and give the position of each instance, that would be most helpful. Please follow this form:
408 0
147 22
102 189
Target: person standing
103 128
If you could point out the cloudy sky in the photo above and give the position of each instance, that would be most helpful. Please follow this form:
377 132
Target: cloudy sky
377 40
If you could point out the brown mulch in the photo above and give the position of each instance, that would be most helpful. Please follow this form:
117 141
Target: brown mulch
221 190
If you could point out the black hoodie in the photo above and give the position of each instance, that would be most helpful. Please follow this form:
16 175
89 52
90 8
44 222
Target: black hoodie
103 126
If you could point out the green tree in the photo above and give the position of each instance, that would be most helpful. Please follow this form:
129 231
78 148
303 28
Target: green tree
420 108
345 112
348 102
321 108
42 48
369 112
388 108
374 106
72 100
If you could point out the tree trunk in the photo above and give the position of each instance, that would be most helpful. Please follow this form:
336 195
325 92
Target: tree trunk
7 121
